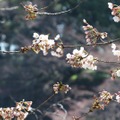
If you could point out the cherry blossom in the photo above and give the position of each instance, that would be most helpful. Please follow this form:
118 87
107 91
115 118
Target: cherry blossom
42 43
58 52
115 51
115 11
20 112
32 11
80 58
118 73
92 34
59 87
117 96
105 97
110 5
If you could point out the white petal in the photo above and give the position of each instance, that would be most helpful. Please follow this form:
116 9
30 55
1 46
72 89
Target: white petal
58 50
110 5
118 73
35 35
43 37
68 55
113 46
116 19
75 51
84 21
57 37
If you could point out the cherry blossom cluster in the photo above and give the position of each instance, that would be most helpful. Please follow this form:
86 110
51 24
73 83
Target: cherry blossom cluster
80 58
44 44
92 34
96 105
105 97
103 100
31 10
58 52
20 112
115 11
59 87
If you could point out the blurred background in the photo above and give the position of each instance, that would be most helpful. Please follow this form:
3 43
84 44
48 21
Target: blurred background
31 77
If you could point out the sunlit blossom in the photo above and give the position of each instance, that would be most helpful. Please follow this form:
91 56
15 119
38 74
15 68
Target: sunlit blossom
110 5
59 87
31 10
117 96
115 11
115 51
80 58
92 34
118 73
57 37
105 97
58 52
20 112
42 43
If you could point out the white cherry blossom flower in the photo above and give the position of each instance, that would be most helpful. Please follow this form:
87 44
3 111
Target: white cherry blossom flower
110 5
43 37
115 11
116 18
58 52
42 43
117 96
75 51
115 51
59 87
118 73
68 55
35 35
113 46
57 37
80 58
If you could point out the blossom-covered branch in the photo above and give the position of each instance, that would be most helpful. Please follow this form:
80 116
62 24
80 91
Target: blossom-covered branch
19 112
79 58
100 102
33 11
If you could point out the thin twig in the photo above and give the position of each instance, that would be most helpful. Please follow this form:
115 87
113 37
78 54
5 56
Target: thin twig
109 42
9 9
53 2
61 107
111 62
58 13
10 52
105 43
45 101
84 115
71 46
13 99
37 110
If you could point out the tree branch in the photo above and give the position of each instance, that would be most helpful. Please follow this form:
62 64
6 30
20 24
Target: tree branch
9 9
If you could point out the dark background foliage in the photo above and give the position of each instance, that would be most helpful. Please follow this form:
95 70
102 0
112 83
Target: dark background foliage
30 76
